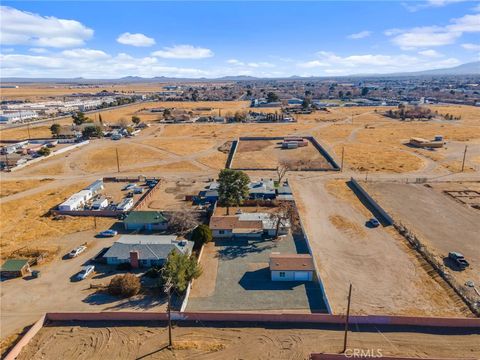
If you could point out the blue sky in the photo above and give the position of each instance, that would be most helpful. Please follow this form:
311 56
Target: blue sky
210 39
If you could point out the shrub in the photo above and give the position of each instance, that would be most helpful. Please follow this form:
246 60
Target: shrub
124 285
202 234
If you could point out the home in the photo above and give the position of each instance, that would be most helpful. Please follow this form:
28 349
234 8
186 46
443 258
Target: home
148 220
146 250
13 268
246 225
263 189
125 205
291 267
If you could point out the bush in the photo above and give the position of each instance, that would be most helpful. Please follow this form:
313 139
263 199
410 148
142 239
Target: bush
202 234
124 285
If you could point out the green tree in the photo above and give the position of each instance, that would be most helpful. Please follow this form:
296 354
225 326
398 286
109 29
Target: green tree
92 131
272 97
79 118
202 234
306 103
55 129
44 151
233 188
136 120
364 91
181 269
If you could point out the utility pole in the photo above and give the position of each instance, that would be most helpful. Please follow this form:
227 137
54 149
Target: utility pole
343 153
118 161
346 320
168 290
464 156
95 221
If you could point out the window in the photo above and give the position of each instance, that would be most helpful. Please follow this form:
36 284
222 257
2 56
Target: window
221 232
282 274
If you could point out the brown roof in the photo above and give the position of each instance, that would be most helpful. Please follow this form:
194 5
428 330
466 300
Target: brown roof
291 262
232 222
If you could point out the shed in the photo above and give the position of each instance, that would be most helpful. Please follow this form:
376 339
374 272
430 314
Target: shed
13 268
291 267
148 220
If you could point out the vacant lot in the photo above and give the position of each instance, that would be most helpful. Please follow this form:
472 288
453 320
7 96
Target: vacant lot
268 154
239 270
8 188
387 276
442 224
171 195
88 340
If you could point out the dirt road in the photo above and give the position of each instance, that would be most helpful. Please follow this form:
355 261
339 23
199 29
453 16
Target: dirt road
105 341
387 276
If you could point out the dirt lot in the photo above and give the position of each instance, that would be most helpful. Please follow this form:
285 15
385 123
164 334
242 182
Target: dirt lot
171 195
268 154
54 290
441 223
387 276
88 340
8 188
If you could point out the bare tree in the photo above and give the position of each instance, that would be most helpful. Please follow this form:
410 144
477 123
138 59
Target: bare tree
283 167
123 123
285 215
182 221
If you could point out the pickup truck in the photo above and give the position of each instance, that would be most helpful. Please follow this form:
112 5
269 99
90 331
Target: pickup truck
458 259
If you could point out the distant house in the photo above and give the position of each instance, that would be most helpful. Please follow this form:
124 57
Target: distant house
13 268
246 225
291 267
145 220
145 250
264 189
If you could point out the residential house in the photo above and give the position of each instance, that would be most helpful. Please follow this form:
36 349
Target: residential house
246 225
146 250
145 220
13 268
291 267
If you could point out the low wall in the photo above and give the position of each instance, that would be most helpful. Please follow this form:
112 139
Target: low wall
190 284
231 154
381 214
12 354
145 197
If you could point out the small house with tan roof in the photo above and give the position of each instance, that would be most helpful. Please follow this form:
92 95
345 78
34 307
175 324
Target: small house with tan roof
291 267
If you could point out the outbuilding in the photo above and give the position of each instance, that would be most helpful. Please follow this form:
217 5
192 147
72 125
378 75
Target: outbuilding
13 268
145 220
291 267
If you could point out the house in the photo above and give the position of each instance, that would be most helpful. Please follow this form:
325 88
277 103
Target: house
263 189
146 250
148 220
291 267
125 205
246 225
13 268
284 192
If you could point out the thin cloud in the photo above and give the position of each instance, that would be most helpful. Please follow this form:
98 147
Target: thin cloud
360 35
139 40
183 52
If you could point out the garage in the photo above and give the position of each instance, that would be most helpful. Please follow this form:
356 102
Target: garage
301 276
291 267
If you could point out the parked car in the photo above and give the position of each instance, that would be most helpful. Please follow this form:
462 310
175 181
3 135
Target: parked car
108 233
77 251
86 270
138 190
458 259
129 186
373 222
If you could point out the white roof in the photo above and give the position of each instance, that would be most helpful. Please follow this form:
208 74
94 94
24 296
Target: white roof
267 221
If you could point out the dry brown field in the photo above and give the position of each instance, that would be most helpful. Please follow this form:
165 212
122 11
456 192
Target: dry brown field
8 188
135 341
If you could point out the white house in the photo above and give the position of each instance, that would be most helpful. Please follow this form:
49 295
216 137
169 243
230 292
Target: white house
291 267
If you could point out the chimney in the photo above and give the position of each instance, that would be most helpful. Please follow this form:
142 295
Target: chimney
134 259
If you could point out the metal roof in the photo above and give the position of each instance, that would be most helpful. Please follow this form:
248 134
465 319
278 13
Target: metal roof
145 217
14 264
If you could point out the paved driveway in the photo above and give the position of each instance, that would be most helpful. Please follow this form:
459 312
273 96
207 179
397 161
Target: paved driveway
243 279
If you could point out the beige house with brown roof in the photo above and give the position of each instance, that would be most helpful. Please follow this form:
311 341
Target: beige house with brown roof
291 267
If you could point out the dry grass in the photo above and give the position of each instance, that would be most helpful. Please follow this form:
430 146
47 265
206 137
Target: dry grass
209 346
346 226
340 190
378 158
181 147
180 166
216 160
25 221
8 188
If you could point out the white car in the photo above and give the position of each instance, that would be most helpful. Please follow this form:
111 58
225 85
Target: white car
77 251
86 270
130 186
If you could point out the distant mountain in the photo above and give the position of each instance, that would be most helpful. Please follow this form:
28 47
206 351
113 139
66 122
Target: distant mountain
472 68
